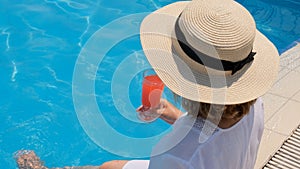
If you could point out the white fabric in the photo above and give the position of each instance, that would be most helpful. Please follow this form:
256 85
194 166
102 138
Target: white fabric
136 164
232 148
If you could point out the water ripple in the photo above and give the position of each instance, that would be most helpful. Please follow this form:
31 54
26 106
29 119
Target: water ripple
14 73
7 34
39 38
53 74
74 8
87 18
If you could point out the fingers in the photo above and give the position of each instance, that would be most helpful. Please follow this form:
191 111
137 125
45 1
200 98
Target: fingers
139 109
163 104
142 109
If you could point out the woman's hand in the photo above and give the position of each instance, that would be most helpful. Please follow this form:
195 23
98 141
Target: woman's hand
149 114
165 110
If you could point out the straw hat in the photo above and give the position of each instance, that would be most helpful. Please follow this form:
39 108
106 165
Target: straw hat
209 51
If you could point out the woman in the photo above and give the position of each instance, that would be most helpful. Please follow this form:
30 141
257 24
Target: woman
210 54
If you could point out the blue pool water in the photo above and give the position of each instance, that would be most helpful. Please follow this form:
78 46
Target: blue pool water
40 42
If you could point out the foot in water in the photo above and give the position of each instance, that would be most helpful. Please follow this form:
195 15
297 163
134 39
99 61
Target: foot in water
27 159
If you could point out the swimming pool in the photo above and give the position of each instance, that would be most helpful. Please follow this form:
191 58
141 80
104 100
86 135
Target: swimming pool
40 42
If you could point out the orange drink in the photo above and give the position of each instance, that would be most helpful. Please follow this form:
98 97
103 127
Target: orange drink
151 94
151 91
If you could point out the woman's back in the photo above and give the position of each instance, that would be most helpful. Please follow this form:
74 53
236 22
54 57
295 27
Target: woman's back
232 148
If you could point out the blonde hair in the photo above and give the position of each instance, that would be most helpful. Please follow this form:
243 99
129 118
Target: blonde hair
215 112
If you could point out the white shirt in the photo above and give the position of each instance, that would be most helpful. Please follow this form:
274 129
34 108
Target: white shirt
232 148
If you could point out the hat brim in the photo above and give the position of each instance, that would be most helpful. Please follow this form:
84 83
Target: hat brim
250 83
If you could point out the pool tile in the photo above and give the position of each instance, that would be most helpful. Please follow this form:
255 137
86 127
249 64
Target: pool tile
286 119
271 142
283 64
297 69
288 85
288 56
297 97
289 61
272 104
283 71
